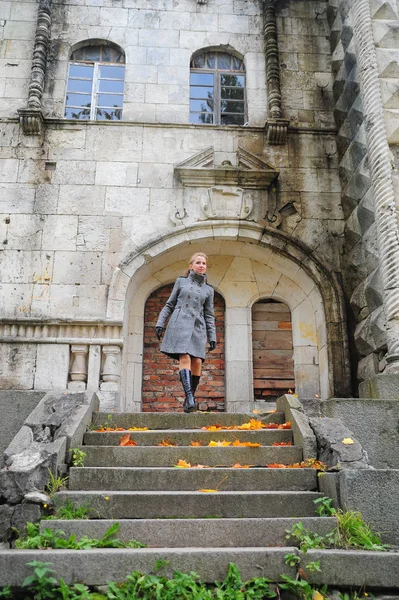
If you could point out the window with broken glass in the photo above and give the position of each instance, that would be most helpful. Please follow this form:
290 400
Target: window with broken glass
217 89
95 84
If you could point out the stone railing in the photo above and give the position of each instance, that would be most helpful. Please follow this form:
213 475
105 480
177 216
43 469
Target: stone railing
75 356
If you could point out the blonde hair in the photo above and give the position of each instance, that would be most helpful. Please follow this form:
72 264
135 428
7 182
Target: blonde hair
192 259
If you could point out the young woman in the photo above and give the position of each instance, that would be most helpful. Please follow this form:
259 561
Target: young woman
191 324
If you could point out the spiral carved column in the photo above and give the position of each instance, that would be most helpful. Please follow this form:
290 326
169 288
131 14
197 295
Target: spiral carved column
276 126
381 177
31 118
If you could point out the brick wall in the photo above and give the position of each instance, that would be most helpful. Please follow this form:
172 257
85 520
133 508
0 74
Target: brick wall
162 390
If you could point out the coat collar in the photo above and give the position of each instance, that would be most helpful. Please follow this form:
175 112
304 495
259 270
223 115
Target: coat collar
197 277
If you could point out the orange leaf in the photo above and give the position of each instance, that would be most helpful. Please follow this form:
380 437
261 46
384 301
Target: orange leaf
286 425
182 464
238 466
271 426
195 443
247 444
276 466
167 443
213 428
126 441
219 443
282 444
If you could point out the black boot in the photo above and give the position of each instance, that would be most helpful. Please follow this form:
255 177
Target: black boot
189 402
194 383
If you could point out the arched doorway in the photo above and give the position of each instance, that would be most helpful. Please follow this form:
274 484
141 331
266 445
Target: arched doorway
248 264
272 349
161 389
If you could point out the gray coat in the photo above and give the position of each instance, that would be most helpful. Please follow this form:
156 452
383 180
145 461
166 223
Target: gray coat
192 320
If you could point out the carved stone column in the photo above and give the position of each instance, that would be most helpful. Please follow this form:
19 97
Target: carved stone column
276 126
385 210
31 118
78 370
111 372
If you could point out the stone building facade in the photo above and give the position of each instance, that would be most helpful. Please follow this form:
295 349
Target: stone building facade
262 132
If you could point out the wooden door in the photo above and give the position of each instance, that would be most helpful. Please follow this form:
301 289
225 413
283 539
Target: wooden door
272 350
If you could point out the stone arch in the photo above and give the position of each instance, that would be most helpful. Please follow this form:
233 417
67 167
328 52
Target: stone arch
95 42
221 48
159 262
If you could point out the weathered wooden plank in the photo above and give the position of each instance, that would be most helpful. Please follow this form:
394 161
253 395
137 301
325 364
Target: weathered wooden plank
273 384
267 359
273 373
270 307
266 316
272 345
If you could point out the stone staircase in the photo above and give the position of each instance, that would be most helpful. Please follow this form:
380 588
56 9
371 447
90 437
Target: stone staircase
244 521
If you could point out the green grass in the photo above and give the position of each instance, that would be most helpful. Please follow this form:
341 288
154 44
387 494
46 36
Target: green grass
39 540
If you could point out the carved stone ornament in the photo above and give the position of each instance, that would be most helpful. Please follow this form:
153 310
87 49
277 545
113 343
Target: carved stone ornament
222 203
31 118
31 121
237 191
276 126
251 172
277 131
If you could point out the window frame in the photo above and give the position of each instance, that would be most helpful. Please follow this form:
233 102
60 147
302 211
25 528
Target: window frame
95 91
217 87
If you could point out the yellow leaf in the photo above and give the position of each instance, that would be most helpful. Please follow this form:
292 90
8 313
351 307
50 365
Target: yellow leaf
318 596
348 441
138 429
182 464
219 443
207 491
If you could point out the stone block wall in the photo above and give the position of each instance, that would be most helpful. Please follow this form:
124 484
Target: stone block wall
81 200
305 64
162 390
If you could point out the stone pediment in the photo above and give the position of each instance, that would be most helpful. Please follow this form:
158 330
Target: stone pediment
249 172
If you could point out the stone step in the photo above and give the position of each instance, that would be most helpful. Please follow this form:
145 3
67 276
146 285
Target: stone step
108 504
96 567
180 533
153 456
165 478
180 420
183 437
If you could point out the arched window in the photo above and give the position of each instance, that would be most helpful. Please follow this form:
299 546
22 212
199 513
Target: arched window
95 83
217 89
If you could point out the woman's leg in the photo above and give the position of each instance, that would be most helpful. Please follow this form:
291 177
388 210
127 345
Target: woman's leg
196 364
185 378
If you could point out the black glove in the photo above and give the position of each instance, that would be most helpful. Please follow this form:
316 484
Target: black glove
159 331
212 346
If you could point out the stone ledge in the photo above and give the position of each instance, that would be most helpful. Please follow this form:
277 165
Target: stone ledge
303 433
